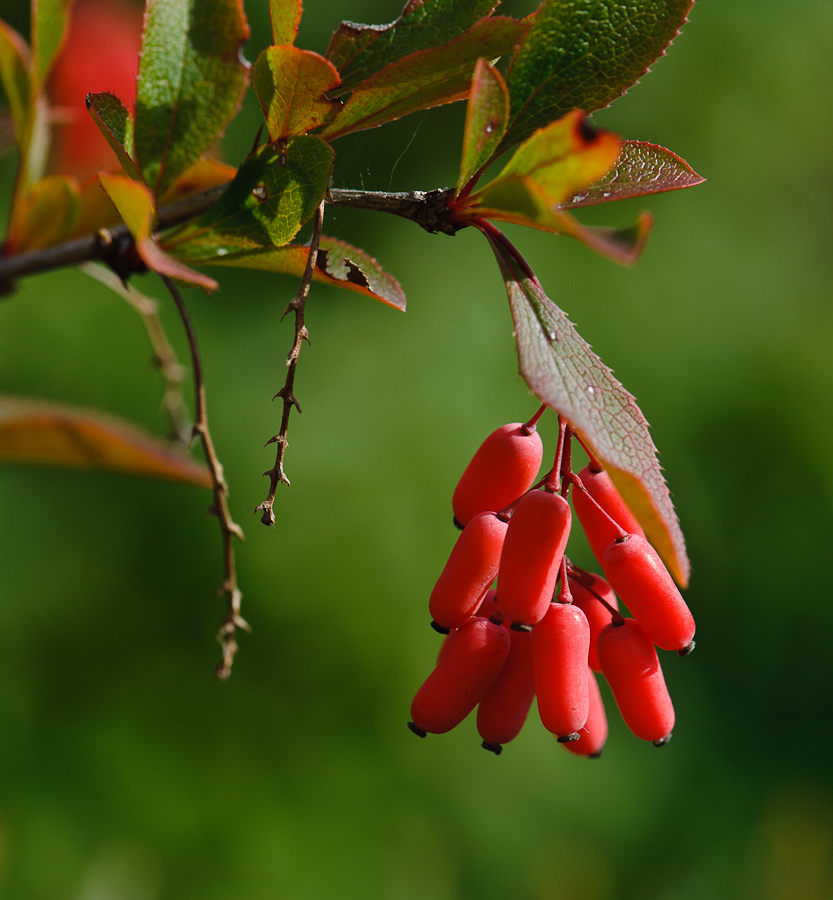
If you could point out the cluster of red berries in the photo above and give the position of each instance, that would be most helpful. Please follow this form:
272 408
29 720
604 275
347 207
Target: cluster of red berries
563 623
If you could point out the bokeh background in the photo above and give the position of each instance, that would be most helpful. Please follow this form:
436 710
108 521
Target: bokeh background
127 772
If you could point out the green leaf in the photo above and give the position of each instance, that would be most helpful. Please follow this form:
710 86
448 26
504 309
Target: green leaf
290 84
40 433
49 25
486 118
14 76
338 264
546 169
640 169
116 124
583 54
359 51
274 192
191 83
424 79
286 16
562 371
137 208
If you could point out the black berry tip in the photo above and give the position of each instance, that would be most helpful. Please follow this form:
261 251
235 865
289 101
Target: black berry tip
417 730
663 740
595 755
497 749
568 738
458 524
687 649
520 626
440 629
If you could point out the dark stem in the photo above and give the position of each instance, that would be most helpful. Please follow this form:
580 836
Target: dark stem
577 482
532 424
298 304
228 528
585 579
595 465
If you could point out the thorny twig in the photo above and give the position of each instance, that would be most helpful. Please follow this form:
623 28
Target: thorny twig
164 355
298 303
228 528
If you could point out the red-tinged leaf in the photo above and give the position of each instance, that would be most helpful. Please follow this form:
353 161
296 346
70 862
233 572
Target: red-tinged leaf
116 124
359 51
584 54
620 245
49 25
290 84
486 118
640 169
191 83
548 167
14 76
45 214
137 208
562 371
95 210
205 173
339 264
424 79
36 432
286 17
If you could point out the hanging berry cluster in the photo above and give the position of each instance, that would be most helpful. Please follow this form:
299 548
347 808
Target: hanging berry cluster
548 626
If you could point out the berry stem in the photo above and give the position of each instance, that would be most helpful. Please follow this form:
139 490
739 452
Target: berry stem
586 581
531 425
595 465
574 479
552 483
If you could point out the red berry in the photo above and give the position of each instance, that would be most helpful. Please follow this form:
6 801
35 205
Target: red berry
560 642
597 526
504 466
471 568
503 711
469 664
488 608
531 557
640 578
592 737
631 667
598 615
100 53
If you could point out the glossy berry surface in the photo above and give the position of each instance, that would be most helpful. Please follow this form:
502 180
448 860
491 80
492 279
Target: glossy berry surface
531 557
504 466
631 666
560 642
591 738
640 578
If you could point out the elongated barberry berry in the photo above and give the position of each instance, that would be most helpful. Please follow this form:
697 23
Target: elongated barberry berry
598 615
592 737
597 526
631 667
560 642
532 552
640 578
503 711
469 664
504 466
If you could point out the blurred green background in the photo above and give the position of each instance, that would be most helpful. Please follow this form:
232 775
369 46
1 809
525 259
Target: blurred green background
130 773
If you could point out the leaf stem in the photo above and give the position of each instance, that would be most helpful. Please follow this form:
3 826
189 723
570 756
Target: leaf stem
228 528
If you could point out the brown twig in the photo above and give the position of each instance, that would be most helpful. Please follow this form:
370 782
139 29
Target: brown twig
228 528
164 355
276 474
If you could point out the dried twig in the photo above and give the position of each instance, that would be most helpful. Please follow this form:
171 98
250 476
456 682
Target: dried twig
228 528
298 303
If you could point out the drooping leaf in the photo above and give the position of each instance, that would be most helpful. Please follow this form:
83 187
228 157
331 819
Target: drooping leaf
45 213
338 264
14 76
49 25
424 79
640 169
583 54
547 168
286 16
36 432
190 85
290 84
562 371
205 173
137 207
359 51
486 118
274 192
116 124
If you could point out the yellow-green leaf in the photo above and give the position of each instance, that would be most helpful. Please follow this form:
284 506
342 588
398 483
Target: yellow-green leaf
45 214
286 16
486 118
14 76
